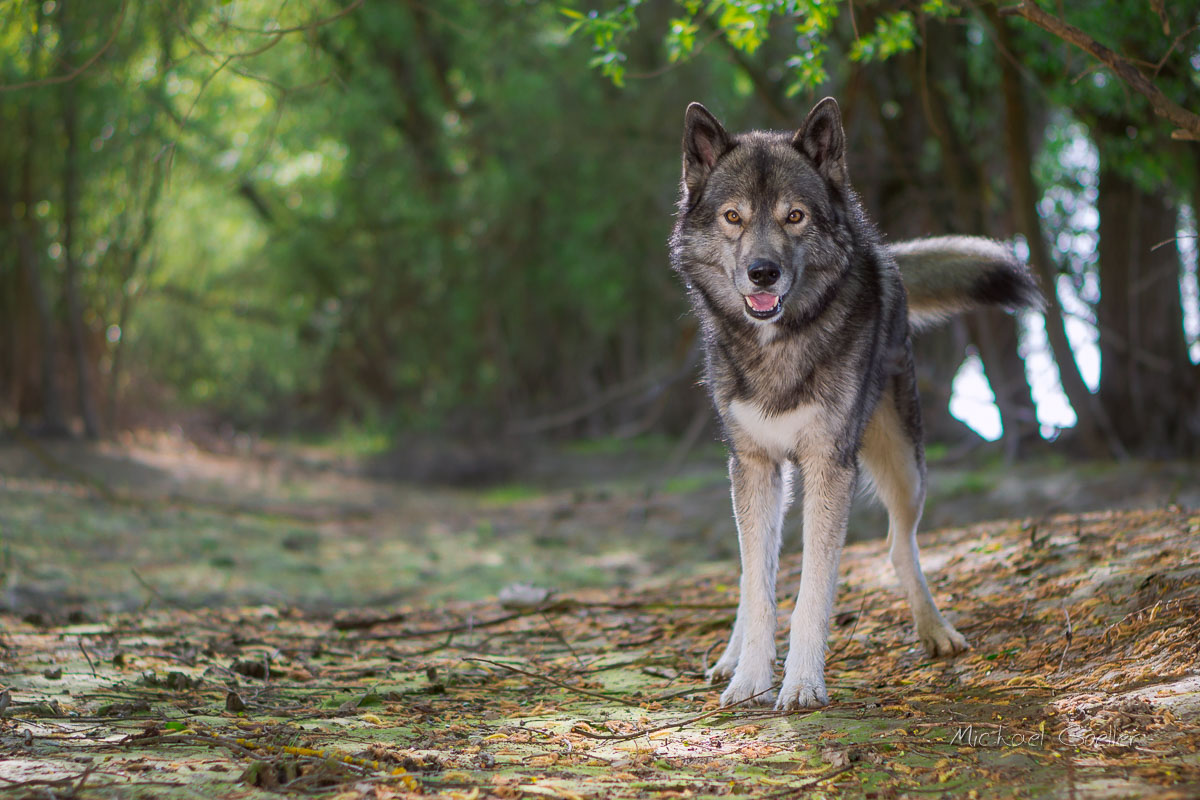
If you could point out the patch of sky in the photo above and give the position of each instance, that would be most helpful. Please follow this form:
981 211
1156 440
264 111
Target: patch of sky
973 402
1189 284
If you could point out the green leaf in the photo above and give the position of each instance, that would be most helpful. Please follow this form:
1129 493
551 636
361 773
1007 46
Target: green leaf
681 39
894 33
938 8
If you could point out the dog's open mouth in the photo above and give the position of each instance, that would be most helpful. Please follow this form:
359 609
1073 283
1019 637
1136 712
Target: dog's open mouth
764 305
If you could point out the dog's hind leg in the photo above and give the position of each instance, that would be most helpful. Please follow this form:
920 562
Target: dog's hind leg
895 461
760 493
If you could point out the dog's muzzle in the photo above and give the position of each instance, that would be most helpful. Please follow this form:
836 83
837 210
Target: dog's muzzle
763 305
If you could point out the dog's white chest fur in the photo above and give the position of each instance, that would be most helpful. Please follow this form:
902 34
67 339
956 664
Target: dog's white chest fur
778 434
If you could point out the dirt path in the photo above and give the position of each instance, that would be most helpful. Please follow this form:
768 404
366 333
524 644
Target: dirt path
176 623
1081 683
93 529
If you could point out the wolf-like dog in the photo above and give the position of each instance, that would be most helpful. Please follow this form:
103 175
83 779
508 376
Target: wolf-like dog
806 317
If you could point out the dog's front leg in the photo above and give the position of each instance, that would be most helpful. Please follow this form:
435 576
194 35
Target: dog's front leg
759 495
828 489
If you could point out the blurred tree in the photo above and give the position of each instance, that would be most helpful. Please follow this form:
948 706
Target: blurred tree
31 331
1149 391
70 219
435 215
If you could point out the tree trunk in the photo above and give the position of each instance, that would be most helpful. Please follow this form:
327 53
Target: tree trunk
11 307
1093 429
993 333
25 232
938 355
1148 385
134 258
52 423
87 401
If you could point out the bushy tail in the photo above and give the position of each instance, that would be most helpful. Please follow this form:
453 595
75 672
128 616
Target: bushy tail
946 275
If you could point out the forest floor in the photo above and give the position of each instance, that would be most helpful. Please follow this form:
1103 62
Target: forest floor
182 624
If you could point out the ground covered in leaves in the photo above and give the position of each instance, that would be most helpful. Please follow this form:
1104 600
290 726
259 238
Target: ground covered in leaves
1082 682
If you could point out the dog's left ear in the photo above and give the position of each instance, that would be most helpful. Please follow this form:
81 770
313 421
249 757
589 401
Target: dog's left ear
822 139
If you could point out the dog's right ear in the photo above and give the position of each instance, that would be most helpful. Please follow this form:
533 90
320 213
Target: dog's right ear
704 141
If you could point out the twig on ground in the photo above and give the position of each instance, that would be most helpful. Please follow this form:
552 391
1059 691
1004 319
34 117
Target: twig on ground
561 684
1070 635
861 608
563 639
150 588
791 790
557 607
83 650
361 623
679 723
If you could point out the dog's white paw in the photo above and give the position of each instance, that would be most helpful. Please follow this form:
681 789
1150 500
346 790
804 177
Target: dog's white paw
743 687
942 640
722 670
802 694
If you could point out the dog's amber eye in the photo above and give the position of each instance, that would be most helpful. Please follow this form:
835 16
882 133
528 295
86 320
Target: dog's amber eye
732 217
795 215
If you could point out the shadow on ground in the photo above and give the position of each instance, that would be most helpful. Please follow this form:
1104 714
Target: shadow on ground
97 528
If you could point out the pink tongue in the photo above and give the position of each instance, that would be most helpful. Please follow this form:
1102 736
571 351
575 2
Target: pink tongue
762 302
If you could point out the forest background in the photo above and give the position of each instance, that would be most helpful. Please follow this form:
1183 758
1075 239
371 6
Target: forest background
394 220
274 273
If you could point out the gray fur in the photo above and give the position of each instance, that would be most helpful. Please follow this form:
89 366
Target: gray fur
947 275
806 325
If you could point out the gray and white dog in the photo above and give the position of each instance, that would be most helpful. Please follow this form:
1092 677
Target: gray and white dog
806 316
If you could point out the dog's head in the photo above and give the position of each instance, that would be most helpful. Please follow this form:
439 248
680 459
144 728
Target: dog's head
761 213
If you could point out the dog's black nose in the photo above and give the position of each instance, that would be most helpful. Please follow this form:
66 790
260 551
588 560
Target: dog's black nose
763 272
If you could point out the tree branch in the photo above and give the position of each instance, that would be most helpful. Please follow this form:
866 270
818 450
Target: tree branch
1188 122
82 68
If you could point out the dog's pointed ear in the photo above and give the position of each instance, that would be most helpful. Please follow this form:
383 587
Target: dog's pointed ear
704 141
822 139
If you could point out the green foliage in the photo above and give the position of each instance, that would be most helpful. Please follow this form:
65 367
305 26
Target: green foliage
808 65
681 39
745 25
1131 138
894 33
396 214
1094 92
608 32
413 215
